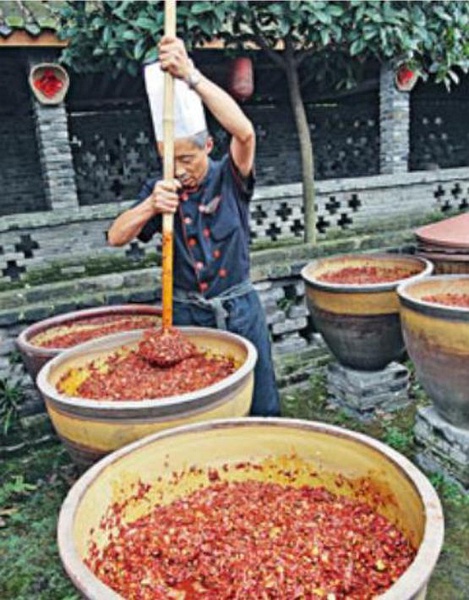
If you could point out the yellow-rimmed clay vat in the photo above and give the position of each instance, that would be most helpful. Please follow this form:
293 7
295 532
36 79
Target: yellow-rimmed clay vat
35 356
92 428
437 340
360 322
176 462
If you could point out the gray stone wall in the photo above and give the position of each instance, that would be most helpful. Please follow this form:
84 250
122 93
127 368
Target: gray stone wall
71 236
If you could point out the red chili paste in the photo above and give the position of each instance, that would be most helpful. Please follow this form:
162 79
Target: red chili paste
457 300
366 274
166 347
253 540
131 377
82 330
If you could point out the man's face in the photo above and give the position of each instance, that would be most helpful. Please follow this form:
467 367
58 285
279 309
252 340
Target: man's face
190 161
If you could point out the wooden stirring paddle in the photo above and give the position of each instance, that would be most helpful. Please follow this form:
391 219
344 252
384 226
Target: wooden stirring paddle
168 172
166 347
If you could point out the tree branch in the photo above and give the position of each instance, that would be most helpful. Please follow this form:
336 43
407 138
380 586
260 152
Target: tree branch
290 54
261 41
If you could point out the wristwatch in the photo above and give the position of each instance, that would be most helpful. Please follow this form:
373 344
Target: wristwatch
194 78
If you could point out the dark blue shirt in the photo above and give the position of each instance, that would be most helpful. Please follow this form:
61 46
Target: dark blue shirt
211 230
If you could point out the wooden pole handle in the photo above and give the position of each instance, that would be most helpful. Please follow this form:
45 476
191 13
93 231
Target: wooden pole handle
168 172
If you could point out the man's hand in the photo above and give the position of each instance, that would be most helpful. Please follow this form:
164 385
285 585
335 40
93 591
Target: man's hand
173 57
164 198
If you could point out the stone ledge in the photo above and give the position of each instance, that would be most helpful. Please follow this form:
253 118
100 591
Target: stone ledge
266 264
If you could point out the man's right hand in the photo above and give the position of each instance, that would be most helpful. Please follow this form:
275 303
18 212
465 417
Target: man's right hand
164 198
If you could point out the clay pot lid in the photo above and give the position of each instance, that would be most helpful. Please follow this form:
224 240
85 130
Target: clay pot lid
450 250
443 256
453 232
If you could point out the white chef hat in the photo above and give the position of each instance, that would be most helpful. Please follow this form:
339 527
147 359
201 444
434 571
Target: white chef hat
189 116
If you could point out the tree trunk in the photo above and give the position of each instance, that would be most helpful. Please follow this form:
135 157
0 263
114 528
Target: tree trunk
306 148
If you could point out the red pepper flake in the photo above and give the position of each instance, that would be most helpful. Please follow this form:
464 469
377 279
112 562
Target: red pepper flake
253 539
75 332
367 274
216 254
130 376
165 347
222 272
449 299
213 475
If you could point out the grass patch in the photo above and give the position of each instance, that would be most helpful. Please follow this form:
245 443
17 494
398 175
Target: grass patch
32 492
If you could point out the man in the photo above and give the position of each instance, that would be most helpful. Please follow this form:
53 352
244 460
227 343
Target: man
210 201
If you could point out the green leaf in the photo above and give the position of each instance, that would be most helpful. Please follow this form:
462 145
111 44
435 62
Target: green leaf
130 35
201 7
356 47
139 49
151 55
107 33
335 10
325 37
145 23
453 76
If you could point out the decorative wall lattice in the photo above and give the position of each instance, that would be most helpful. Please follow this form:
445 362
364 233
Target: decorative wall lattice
439 137
113 153
346 138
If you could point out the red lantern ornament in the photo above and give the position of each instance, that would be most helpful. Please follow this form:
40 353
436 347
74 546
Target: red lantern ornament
241 79
405 78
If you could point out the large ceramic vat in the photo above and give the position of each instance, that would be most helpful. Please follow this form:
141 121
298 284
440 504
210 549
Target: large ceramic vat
360 322
437 340
319 453
34 357
92 428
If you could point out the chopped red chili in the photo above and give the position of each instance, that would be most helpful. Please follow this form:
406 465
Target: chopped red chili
126 375
166 347
252 540
449 299
367 274
70 334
